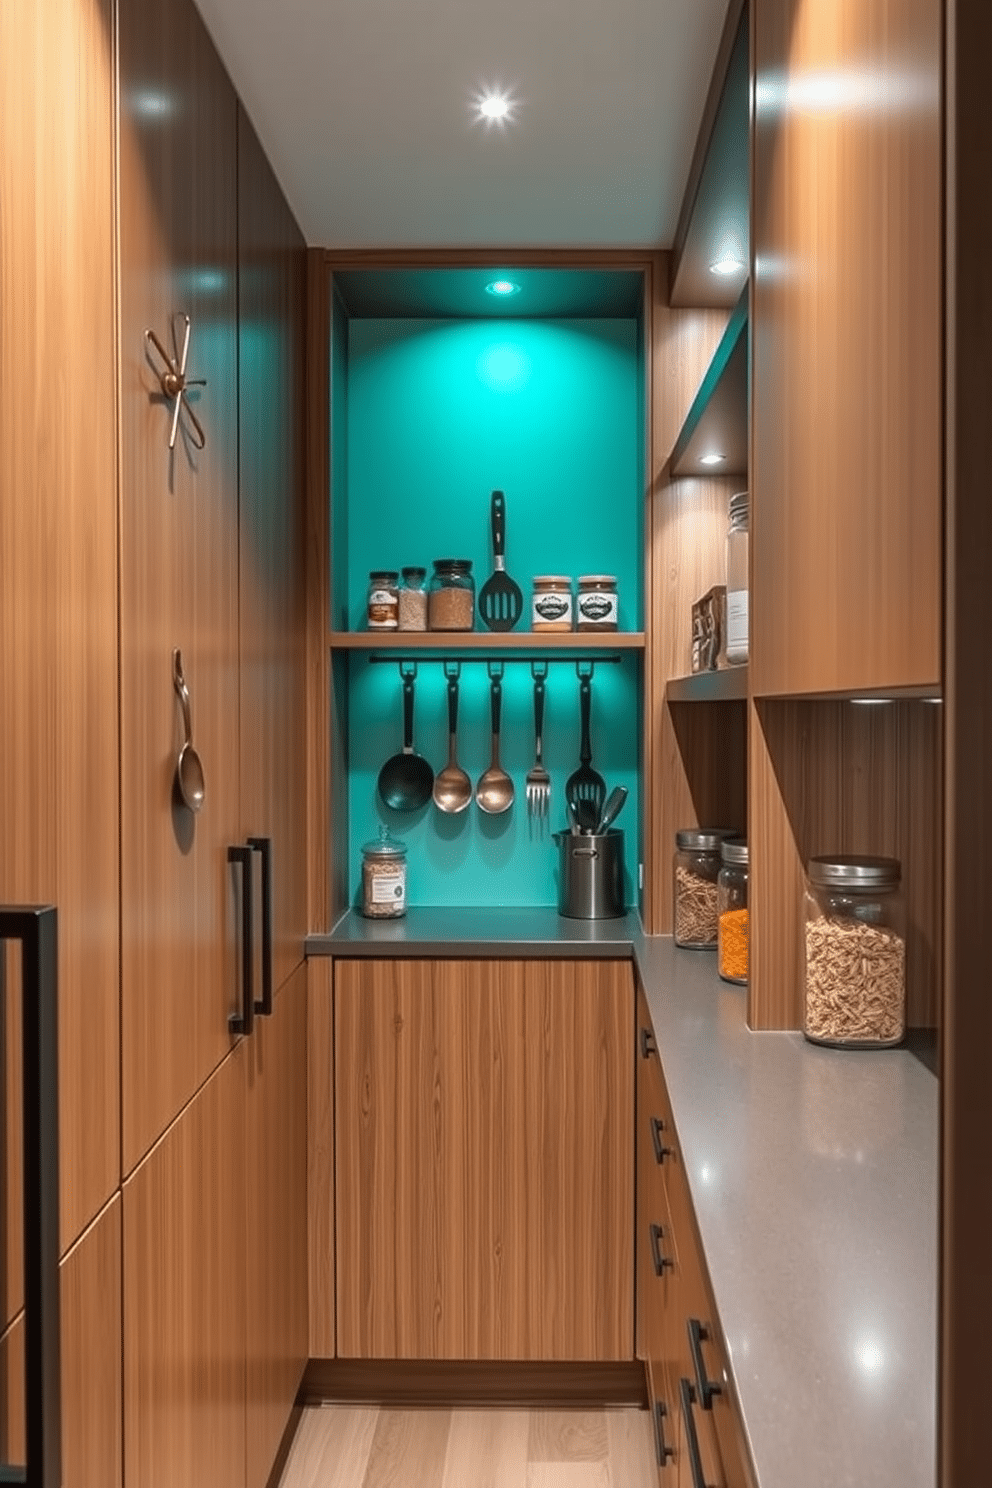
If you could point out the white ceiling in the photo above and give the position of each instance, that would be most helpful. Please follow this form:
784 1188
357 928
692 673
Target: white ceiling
365 111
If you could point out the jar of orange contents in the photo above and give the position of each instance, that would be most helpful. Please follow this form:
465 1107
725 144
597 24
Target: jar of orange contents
731 911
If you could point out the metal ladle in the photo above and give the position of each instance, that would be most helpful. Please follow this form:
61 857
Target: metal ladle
494 792
189 770
452 787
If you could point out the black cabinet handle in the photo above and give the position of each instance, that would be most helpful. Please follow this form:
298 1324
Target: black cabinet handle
657 1255
661 1448
705 1388
242 1022
660 1150
648 1045
263 845
688 1398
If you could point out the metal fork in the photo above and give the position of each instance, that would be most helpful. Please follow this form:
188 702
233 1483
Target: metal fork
538 781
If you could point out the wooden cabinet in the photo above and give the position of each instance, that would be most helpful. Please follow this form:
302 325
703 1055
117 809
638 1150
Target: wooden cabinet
484 1160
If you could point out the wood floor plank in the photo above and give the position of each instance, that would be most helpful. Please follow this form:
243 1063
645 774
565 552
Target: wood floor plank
568 1475
568 1436
487 1449
408 1448
632 1460
331 1448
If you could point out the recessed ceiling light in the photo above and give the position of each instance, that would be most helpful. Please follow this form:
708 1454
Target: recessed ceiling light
727 264
502 288
713 459
494 106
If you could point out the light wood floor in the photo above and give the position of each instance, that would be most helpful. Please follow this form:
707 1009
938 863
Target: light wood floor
340 1446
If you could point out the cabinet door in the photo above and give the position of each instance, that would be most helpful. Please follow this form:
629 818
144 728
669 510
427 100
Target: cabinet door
184 1296
179 545
484 1160
58 557
276 1159
271 279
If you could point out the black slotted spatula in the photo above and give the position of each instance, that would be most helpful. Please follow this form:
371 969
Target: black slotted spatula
500 601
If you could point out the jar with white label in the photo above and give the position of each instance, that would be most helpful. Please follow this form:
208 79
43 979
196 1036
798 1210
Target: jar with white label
551 605
384 877
597 606
737 579
382 603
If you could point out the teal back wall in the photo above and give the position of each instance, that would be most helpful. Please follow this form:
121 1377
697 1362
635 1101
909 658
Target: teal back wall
439 414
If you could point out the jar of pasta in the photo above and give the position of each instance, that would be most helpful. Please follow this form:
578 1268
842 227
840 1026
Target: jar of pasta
696 869
731 911
384 877
855 952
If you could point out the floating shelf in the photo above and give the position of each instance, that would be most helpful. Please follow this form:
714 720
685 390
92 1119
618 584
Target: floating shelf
475 640
708 687
717 420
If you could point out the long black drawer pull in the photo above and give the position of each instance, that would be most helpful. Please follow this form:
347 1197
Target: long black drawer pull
661 1448
263 845
688 1399
705 1388
657 1254
648 1045
242 1022
660 1150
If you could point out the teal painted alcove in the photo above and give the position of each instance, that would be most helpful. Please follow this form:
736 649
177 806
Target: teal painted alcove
435 414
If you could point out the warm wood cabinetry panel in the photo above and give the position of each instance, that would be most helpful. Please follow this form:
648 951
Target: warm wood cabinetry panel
484 1159
846 478
58 553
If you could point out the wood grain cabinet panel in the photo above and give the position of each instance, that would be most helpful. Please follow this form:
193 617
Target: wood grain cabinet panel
58 554
276 1223
185 1251
484 1159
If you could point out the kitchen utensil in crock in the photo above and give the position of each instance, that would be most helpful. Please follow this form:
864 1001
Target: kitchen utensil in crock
406 779
500 601
494 792
189 770
452 787
612 808
537 780
585 783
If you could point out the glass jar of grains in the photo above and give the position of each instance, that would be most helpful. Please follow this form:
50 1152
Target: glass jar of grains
597 606
696 869
551 606
382 602
855 952
413 600
731 911
451 598
384 877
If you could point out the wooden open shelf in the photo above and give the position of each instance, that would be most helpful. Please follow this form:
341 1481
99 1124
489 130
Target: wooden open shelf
708 687
489 640
717 421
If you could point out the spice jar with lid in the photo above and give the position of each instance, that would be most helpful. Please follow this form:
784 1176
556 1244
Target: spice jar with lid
413 600
451 597
551 605
696 869
732 911
597 605
382 603
384 877
855 952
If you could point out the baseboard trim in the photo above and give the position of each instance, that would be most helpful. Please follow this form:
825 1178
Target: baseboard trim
408 1382
282 1456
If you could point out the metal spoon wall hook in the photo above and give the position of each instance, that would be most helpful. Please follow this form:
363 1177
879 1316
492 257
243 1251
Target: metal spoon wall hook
174 382
189 770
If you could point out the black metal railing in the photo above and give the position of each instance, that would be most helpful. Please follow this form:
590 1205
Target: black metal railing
36 927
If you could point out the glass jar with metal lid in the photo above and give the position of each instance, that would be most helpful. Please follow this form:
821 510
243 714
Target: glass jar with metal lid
382 601
855 952
597 606
696 868
384 877
451 597
551 605
732 911
413 599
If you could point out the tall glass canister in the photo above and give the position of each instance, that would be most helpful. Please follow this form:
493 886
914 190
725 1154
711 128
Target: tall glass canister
855 952
737 579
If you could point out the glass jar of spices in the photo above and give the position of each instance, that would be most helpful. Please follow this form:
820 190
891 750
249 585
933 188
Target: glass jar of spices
382 601
384 877
551 605
696 869
732 911
597 605
855 952
413 600
451 597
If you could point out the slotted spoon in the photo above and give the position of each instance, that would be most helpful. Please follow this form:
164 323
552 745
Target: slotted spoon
585 788
500 601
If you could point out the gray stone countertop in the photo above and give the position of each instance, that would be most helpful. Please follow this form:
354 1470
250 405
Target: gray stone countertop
813 1175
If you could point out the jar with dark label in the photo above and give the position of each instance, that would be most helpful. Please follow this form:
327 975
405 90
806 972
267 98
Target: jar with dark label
855 952
413 600
551 606
732 912
451 598
382 603
696 869
384 877
597 606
